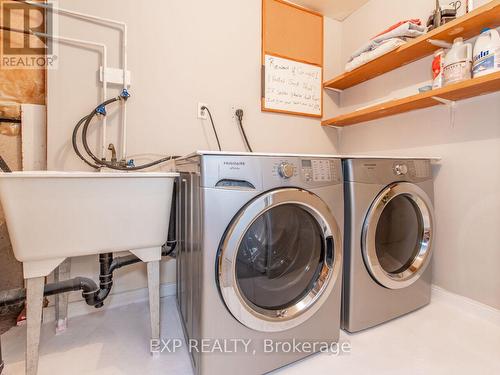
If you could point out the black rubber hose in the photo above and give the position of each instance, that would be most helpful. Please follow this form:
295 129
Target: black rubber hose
87 121
103 163
171 244
213 126
239 115
75 145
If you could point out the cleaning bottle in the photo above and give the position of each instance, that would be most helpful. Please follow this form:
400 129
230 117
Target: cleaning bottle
437 69
486 53
458 62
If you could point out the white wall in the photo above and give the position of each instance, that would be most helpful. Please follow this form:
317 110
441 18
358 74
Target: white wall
467 188
181 52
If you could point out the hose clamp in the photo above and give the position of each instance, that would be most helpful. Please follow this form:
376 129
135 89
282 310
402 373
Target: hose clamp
92 292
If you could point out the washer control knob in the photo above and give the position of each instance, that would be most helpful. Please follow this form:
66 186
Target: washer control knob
400 169
286 170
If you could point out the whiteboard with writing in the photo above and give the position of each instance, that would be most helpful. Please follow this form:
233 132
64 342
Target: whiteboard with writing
292 86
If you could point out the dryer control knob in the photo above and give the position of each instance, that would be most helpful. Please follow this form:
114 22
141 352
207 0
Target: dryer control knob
286 170
401 169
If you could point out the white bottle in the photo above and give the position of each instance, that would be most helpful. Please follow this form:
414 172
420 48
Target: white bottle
458 62
486 53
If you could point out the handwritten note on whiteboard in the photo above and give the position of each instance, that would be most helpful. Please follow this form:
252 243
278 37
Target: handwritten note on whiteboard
292 86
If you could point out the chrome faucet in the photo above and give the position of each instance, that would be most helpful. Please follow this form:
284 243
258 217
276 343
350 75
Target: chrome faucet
114 160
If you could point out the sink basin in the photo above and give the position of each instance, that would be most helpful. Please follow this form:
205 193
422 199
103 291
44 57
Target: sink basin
55 215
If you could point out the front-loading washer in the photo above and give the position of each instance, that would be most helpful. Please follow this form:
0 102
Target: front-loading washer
389 237
259 258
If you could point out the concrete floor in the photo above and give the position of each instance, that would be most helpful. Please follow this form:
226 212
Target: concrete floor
441 338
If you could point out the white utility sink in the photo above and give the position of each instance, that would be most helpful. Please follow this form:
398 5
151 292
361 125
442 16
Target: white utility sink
55 215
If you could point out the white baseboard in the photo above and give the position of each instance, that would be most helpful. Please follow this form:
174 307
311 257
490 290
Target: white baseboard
79 308
466 305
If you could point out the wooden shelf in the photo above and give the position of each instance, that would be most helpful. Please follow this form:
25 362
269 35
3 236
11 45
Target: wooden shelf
462 90
466 26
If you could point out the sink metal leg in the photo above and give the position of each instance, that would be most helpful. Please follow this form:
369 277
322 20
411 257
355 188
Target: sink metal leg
154 302
62 273
34 305
152 257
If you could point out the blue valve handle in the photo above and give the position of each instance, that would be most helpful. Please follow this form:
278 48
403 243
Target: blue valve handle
125 94
101 110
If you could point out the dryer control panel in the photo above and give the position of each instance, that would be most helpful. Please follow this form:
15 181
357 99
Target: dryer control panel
385 171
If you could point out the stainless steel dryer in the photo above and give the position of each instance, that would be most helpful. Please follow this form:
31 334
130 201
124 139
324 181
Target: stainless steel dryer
260 257
389 235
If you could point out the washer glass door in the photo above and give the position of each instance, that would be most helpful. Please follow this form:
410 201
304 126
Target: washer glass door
279 260
280 257
397 235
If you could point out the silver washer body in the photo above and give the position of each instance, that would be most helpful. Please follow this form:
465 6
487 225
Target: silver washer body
389 204
220 196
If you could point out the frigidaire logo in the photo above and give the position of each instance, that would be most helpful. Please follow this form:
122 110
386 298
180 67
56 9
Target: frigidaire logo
26 33
234 163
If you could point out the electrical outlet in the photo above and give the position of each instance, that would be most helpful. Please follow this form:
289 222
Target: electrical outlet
234 108
202 113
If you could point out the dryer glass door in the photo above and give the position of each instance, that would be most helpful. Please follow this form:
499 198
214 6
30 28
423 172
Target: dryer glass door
279 260
397 235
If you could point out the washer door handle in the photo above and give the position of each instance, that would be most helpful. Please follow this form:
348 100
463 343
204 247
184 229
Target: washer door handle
330 247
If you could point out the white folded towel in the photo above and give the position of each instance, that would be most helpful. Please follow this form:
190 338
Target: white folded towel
406 30
382 48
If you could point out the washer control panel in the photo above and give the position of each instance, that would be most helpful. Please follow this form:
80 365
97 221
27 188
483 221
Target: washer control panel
314 172
319 170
